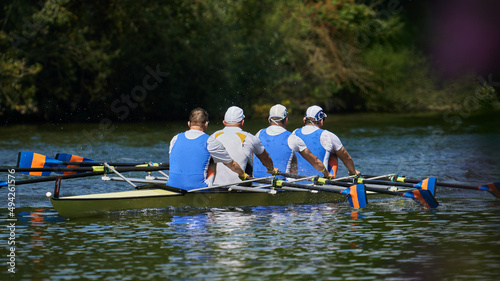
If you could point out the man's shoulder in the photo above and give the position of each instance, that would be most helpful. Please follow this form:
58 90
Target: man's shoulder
248 134
328 135
259 132
193 134
307 129
274 130
327 132
217 133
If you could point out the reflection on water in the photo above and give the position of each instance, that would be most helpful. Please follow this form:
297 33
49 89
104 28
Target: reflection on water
302 242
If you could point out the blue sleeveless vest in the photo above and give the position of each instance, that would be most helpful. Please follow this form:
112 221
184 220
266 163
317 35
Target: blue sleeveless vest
314 144
278 149
189 160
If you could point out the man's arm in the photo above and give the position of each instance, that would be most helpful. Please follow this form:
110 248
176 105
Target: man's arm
264 157
172 142
266 161
315 162
220 154
235 167
347 160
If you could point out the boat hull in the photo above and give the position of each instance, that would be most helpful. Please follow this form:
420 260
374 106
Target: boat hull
94 204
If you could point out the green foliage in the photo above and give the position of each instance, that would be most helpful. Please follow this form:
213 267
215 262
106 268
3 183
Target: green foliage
402 79
128 60
16 82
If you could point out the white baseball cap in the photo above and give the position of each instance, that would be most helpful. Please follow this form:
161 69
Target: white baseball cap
278 111
315 112
234 114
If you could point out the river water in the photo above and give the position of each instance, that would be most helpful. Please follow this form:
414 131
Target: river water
391 239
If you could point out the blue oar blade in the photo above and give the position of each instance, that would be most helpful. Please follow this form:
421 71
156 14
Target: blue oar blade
424 197
3 183
493 188
30 160
73 158
427 184
66 157
356 195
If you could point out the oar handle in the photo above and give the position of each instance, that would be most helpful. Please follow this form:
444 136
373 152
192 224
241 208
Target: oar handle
280 183
382 182
316 180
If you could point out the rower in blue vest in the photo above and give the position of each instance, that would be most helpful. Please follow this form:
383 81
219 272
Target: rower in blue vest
193 155
282 146
322 143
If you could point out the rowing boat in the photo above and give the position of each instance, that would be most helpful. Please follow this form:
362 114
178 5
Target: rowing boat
156 194
156 197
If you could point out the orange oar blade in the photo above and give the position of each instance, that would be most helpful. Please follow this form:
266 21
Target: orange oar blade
357 196
30 160
424 197
66 157
493 188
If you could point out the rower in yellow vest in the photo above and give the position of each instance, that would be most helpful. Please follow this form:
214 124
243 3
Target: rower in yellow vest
240 145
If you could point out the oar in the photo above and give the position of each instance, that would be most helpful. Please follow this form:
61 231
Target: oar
493 188
71 159
51 178
89 173
230 184
27 159
96 169
356 194
427 184
161 184
422 196
288 188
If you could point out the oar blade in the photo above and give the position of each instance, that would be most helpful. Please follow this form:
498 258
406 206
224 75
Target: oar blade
3 183
424 197
356 195
493 188
66 157
30 160
427 184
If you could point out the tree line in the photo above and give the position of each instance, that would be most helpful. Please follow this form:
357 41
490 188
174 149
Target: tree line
67 61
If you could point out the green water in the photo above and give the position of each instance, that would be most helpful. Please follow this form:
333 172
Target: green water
391 239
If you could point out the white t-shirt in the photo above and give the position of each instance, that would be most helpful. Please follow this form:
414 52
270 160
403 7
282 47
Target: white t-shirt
328 140
215 147
240 145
